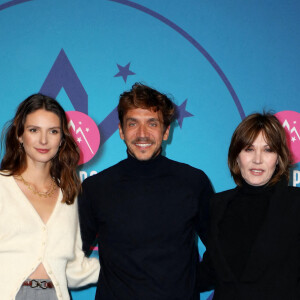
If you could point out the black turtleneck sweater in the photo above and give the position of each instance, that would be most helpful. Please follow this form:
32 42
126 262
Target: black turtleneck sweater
146 216
242 221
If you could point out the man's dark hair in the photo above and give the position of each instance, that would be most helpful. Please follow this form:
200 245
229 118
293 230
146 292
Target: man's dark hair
142 96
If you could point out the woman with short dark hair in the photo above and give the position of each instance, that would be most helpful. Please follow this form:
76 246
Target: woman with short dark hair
253 250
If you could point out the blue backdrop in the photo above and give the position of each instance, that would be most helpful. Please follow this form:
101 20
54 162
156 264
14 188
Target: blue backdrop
219 60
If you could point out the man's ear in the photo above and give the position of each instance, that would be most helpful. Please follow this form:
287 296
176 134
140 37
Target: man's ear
121 131
166 133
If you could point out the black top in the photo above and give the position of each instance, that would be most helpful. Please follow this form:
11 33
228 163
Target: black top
264 262
146 215
241 223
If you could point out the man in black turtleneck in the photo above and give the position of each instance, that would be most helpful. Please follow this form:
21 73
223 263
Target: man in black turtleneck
147 210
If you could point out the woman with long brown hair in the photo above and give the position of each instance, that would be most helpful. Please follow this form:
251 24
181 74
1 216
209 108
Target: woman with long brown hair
40 243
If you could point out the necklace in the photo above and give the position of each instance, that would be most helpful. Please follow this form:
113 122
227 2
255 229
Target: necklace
36 192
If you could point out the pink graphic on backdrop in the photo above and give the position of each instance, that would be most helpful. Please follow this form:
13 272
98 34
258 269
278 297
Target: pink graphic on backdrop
290 121
85 133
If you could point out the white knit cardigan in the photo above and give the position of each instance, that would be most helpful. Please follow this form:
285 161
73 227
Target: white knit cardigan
26 241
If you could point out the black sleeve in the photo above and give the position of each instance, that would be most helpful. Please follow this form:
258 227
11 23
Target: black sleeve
87 220
206 276
203 217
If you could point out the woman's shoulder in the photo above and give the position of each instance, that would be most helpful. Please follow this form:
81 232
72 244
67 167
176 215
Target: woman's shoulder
220 199
293 190
225 194
4 176
5 172
6 183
